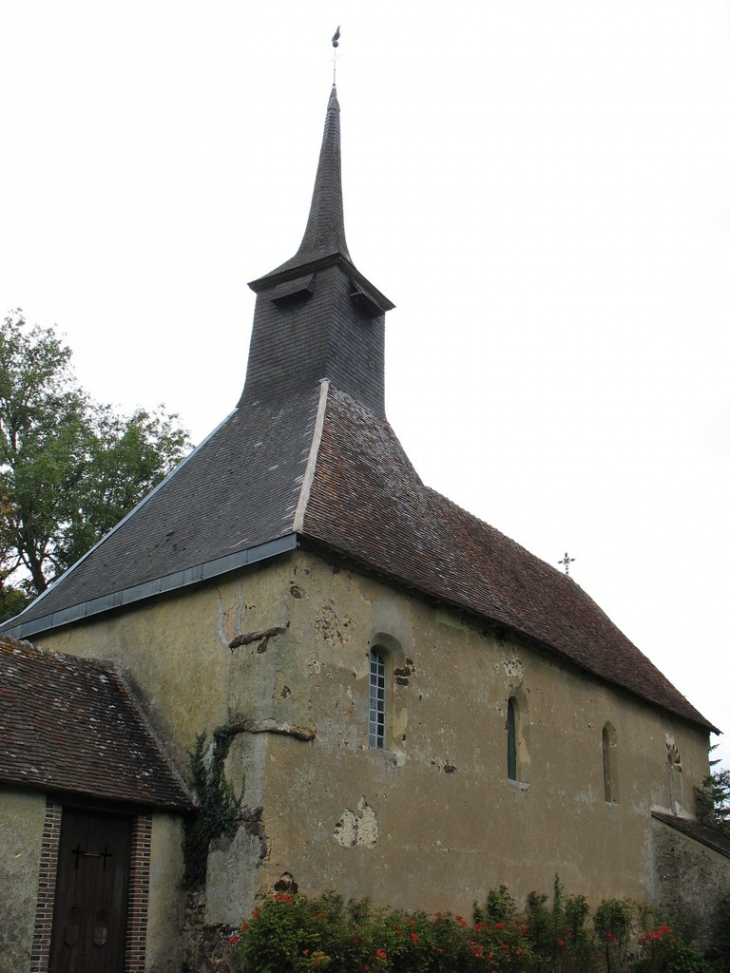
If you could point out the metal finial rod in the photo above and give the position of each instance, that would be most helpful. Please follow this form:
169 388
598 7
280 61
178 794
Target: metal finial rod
335 44
566 561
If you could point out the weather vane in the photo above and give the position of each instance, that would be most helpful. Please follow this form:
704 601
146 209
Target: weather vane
566 561
335 44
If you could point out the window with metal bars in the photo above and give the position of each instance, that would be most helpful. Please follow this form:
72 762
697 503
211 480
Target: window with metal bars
376 711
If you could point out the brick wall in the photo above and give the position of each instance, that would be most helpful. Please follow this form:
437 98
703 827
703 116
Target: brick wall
139 895
41 948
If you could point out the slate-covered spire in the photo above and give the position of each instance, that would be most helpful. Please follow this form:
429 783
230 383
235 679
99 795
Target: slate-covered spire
324 235
317 317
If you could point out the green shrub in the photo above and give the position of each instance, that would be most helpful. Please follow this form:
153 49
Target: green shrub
614 924
559 934
719 951
289 933
663 951
293 934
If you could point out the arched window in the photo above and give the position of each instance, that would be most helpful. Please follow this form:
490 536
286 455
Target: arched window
518 757
377 691
610 767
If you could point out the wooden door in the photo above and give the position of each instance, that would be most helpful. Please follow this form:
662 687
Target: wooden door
90 914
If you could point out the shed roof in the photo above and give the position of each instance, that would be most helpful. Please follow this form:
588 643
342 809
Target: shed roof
711 837
70 725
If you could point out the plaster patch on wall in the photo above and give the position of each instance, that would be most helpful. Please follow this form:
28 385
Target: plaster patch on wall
332 629
514 669
229 620
357 830
281 690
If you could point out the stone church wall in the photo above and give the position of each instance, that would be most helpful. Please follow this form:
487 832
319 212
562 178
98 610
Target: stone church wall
431 821
689 879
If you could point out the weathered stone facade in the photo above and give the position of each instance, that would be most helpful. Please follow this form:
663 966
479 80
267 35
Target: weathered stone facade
690 879
432 821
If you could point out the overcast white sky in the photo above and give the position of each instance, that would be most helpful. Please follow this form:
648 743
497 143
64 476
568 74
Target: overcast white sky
542 187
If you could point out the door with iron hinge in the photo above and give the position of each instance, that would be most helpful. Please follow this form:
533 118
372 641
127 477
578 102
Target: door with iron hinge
90 912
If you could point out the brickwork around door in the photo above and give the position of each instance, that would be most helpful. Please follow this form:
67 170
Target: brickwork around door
41 948
139 892
139 895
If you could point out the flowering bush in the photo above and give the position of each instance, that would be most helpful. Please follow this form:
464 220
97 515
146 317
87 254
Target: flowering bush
292 934
289 933
662 951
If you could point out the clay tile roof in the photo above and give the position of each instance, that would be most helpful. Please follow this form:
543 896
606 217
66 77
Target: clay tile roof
367 502
69 725
710 837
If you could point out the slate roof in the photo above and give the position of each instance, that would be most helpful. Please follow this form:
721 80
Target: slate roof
69 725
711 837
309 456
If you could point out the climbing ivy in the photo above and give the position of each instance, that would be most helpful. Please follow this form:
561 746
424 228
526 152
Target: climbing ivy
219 807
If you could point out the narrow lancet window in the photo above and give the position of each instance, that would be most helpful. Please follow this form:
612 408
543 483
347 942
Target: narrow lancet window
512 738
610 769
376 717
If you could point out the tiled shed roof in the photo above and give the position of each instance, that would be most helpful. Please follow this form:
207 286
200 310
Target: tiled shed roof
711 837
69 725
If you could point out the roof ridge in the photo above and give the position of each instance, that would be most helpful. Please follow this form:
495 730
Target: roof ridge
308 478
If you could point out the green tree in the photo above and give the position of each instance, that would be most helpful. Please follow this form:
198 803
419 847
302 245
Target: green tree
70 468
713 799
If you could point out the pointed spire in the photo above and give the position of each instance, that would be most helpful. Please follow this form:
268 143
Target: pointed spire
325 232
324 235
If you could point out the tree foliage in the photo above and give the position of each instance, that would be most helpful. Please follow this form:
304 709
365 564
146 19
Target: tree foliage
70 468
713 800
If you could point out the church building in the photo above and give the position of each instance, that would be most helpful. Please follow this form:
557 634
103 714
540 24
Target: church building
415 708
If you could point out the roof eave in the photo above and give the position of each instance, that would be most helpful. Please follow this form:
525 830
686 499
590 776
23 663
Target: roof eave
172 582
292 271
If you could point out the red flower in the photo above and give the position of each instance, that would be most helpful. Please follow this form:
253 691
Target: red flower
499 925
305 952
561 942
414 937
381 954
234 939
245 927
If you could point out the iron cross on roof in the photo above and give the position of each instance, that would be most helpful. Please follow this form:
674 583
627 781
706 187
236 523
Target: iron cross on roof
566 561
